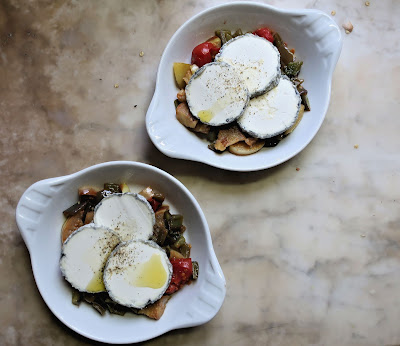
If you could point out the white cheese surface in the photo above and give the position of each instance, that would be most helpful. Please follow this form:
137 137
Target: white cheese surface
216 95
272 113
127 214
255 59
137 273
84 255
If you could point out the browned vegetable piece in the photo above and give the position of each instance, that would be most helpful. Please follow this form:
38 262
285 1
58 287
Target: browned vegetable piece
202 128
180 70
185 250
87 191
156 310
175 254
74 222
124 188
251 141
160 232
242 149
300 116
228 137
150 193
184 117
181 95
71 224
215 40
89 217
74 209
187 76
147 193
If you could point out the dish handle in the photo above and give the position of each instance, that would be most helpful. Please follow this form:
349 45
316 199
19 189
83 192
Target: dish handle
30 208
211 296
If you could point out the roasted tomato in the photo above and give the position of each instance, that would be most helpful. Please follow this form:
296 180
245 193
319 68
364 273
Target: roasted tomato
204 53
266 33
182 271
154 204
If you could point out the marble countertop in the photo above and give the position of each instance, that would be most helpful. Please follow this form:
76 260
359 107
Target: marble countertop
311 256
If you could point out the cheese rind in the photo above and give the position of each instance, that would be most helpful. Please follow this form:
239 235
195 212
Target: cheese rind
216 95
272 113
255 59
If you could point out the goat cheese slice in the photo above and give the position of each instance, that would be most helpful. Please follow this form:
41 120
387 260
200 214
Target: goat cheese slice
84 255
137 273
270 114
127 214
255 59
216 95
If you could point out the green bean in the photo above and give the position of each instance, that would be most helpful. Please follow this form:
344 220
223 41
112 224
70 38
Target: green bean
212 135
237 33
185 250
116 309
112 187
158 196
224 35
76 297
286 55
195 270
292 69
159 235
176 222
89 297
304 99
181 241
99 308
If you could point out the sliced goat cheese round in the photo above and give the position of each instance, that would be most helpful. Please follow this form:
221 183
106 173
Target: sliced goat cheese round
127 214
84 255
255 59
216 95
270 114
137 273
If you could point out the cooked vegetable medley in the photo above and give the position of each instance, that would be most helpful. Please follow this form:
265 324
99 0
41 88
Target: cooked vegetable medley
211 103
112 279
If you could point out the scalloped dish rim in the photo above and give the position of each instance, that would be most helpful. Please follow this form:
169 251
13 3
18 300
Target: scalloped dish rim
27 229
242 163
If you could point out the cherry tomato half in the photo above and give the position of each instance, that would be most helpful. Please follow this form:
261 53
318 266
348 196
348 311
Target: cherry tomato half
266 33
204 53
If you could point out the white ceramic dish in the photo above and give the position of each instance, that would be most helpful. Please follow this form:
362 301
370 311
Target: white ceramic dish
39 218
318 42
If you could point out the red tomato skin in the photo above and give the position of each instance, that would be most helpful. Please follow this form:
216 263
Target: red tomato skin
154 204
182 273
266 33
204 53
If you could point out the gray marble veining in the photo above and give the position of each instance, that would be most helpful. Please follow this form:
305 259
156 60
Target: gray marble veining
311 257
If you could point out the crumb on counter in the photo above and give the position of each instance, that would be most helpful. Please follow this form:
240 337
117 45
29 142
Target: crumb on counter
348 27
355 146
367 3
333 12
116 86
297 168
141 53
362 235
